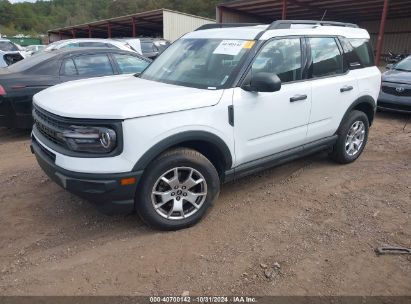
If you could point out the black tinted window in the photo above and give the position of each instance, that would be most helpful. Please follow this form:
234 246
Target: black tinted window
363 50
326 56
93 65
281 57
147 47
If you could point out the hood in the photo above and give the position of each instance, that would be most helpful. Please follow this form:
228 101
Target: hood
121 97
397 76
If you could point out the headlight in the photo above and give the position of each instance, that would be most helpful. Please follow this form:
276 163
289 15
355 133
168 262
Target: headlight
90 139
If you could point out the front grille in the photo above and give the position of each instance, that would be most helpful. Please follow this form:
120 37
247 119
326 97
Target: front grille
50 126
396 91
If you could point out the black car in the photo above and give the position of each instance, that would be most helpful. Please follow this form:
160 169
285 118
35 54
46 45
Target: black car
20 81
395 92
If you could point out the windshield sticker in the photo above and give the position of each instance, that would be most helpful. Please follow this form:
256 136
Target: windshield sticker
230 47
249 44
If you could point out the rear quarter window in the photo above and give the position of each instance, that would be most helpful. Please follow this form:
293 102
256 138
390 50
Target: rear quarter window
357 53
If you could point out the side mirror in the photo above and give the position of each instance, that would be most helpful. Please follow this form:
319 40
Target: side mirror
389 66
262 82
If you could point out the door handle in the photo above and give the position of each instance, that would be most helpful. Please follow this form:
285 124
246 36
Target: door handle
298 98
346 89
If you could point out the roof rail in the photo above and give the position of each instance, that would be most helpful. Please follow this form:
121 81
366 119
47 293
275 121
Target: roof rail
286 24
224 25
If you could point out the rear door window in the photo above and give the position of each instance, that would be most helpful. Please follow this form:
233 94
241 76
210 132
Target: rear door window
93 65
326 57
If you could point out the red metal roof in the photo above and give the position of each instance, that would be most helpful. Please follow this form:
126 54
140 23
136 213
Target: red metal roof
341 10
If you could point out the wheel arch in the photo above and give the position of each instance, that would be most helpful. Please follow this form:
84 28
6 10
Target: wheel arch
209 144
365 104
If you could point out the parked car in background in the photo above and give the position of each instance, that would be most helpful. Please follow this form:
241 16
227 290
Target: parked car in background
9 53
148 47
395 92
34 49
19 82
89 43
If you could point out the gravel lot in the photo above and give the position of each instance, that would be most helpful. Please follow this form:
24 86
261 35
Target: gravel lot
306 228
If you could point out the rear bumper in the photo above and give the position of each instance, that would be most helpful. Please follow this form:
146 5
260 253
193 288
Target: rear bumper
105 190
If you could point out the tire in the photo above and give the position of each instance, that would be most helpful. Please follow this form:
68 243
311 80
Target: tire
172 198
343 152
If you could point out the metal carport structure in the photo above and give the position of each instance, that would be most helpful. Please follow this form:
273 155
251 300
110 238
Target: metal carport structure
163 23
370 14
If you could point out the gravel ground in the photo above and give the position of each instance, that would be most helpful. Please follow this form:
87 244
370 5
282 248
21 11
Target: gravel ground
306 228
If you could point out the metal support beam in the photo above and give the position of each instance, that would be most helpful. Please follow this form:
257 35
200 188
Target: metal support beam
60 35
284 12
108 29
89 31
73 33
380 38
220 14
133 20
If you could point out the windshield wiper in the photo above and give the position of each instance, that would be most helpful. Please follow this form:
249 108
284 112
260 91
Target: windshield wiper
403 70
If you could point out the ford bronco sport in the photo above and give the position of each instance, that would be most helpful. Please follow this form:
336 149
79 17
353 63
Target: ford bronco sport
220 103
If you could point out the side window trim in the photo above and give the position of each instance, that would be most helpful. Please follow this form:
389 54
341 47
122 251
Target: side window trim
113 62
310 77
250 62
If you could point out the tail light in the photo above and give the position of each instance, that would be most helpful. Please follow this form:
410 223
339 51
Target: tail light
2 90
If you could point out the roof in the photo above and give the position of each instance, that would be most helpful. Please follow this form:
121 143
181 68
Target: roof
342 10
150 20
247 32
91 50
251 32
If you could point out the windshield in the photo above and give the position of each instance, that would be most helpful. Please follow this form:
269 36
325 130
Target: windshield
198 63
404 65
7 46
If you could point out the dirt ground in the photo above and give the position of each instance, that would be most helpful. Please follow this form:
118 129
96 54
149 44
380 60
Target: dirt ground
306 228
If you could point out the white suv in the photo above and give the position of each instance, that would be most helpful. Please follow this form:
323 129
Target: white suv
218 104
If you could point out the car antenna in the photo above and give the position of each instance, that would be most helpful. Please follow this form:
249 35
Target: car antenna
325 13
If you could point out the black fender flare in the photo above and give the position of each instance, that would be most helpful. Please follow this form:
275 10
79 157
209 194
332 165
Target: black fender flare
180 138
366 99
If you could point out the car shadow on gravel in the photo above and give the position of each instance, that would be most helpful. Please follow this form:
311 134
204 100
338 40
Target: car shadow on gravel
10 135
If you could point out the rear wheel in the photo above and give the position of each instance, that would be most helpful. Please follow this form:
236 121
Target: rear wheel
352 138
177 189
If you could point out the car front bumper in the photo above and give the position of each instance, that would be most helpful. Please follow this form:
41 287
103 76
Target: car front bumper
395 103
104 190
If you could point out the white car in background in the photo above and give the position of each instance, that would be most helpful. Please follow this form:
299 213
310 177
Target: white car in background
10 53
89 43
33 49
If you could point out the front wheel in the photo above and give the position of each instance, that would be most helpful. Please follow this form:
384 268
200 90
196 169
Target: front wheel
177 189
352 138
